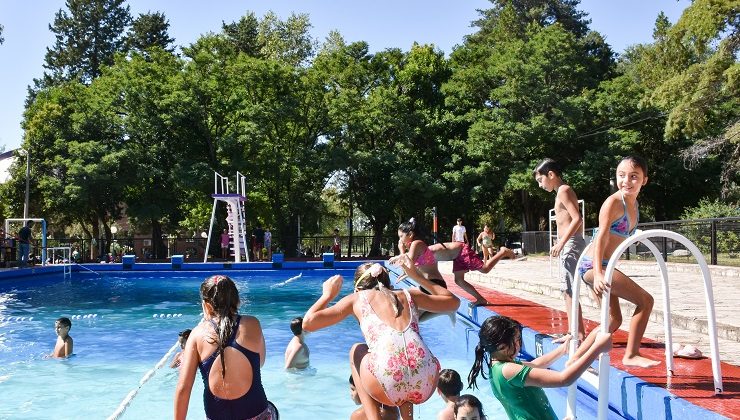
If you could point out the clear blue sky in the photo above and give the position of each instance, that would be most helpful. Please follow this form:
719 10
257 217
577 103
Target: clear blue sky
382 23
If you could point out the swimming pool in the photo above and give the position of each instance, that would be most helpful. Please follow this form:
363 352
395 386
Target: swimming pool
115 348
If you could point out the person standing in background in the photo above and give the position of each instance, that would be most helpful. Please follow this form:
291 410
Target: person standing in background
24 244
459 234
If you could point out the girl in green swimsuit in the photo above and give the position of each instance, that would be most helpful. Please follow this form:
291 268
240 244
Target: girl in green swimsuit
516 384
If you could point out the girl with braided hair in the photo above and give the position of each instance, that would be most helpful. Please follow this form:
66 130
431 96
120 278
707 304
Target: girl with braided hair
229 350
395 367
516 384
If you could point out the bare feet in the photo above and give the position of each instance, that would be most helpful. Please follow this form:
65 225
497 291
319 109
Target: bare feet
639 361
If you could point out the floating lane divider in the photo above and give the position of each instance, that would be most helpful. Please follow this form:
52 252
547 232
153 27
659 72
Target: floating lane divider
15 318
144 379
30 318
167 316
292 279
85 316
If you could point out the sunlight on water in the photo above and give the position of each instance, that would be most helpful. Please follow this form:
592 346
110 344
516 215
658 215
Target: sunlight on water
114 349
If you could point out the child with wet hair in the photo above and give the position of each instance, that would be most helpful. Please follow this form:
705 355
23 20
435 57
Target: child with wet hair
449 387
297 354
469 407
518 385
231 343
64 345
181 339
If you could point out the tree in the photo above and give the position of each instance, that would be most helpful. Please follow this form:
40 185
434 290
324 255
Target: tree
155 146
701 93
74 134
88 36
517 95
149 30
288 41
244 35
1 34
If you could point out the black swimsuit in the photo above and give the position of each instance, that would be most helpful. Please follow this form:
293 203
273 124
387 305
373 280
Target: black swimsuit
251 404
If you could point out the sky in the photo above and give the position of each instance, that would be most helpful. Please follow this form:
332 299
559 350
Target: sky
381 23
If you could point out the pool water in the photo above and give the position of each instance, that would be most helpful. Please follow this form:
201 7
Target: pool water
113 350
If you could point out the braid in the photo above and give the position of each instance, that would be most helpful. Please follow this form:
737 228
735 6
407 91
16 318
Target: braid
392 297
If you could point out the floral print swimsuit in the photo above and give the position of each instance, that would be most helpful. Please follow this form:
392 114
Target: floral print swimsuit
399 360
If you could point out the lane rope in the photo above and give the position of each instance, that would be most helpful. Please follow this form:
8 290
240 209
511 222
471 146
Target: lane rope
127 401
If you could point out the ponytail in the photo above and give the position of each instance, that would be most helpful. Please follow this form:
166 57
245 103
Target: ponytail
374 276
495 332
220 292
224 329
480 359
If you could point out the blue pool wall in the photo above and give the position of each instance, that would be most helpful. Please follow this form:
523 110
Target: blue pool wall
629 396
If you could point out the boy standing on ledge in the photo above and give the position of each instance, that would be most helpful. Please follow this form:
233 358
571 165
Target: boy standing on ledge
570 242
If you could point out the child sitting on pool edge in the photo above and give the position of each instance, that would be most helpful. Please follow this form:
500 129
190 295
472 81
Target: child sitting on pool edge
63 347
182 340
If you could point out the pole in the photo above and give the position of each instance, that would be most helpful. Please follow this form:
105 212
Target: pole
434 224
28 177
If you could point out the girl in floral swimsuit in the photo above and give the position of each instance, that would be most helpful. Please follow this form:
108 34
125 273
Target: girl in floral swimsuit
395 367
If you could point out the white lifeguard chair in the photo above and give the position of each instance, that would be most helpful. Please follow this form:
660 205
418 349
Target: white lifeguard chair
601 382
553 237
235 216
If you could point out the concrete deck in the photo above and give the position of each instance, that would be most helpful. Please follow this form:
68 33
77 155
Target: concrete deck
531 279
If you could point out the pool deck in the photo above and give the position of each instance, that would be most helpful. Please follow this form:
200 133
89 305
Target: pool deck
526 291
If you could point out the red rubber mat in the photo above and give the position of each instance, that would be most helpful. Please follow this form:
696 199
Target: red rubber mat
692 379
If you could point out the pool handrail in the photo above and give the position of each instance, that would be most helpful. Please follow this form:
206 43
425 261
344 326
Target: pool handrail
604 359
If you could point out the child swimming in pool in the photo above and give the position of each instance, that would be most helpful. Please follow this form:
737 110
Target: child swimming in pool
296 354
229 350
64 345
449 387
518 385
469 407
181 339
395 367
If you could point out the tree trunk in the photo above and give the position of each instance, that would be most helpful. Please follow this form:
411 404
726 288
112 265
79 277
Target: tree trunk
378 227
95 250
158 248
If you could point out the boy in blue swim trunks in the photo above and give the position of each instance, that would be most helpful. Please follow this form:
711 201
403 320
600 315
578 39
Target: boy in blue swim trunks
570 242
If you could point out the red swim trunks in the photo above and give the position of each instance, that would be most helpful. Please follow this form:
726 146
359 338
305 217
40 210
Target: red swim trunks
467 260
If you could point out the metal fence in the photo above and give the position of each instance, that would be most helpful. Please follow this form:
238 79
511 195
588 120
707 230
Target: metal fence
718 239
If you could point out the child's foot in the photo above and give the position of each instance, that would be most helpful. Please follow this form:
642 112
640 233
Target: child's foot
639 361
508 253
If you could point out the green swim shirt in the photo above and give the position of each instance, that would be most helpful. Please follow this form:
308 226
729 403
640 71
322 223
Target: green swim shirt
520 402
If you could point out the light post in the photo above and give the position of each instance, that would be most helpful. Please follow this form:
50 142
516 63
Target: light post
114 230
28 179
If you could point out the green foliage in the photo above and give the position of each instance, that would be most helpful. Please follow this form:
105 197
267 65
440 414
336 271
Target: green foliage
706 209
121 123
149 30
79 53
